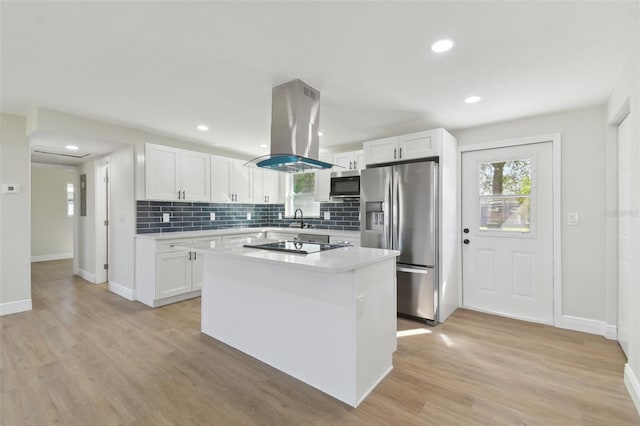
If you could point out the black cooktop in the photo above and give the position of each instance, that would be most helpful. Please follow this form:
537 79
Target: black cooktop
295 246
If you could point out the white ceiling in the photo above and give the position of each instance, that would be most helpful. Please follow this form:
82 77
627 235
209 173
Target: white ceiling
168 66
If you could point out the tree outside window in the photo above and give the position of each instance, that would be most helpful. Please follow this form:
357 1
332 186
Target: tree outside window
301 195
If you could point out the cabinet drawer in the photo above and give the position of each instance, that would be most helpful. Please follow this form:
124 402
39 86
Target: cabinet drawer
166 246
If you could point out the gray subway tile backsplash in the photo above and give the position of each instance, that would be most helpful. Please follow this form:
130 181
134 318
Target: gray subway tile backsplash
196 216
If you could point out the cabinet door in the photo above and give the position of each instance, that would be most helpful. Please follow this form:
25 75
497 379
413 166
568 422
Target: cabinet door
162 164
381 151
270 186
358 160
258 186
221 179
344 160
173 274
196 271
418 145
241 182
322 185
196 176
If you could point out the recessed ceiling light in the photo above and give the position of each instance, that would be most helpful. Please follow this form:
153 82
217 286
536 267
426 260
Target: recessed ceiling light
442 46
203 127
320 133
473 99
264 145
71 147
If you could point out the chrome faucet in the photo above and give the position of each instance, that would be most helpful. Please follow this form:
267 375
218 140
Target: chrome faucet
295 216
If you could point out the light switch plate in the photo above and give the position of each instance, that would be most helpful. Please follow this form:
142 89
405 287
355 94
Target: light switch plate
327 215
212 216
10 188
165 217
279 216
248 216
573 219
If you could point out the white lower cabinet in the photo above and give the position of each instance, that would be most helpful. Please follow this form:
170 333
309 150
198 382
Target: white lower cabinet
165 274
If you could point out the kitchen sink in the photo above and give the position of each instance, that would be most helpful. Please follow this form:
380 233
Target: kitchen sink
300 247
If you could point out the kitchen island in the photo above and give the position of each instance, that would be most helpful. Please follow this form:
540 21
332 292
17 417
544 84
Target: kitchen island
327 319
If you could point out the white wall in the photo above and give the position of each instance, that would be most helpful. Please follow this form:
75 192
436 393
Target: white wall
51 227
583 191
122 222
15 220
86 226
626 98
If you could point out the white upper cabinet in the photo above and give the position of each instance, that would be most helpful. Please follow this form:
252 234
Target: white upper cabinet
418 145
270 187
381 150
176 174
265 186
405 147
230 180
352 160
161 172
221 179
195 176
241 182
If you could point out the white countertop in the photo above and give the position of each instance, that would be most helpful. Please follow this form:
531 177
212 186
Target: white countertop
331 261
230 231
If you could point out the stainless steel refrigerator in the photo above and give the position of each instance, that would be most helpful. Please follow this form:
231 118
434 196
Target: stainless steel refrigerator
398 209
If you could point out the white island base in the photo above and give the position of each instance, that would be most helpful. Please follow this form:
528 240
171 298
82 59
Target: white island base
333 331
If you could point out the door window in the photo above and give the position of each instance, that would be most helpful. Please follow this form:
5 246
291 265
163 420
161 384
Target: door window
506 197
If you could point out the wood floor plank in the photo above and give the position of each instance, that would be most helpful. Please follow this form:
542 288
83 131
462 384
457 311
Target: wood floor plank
84 355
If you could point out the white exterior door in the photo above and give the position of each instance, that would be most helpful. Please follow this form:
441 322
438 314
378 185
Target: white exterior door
507 221
626 260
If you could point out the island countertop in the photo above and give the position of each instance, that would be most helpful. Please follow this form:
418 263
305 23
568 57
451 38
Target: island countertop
338 260
231 231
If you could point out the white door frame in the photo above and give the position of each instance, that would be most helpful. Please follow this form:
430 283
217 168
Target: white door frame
555 139
102 201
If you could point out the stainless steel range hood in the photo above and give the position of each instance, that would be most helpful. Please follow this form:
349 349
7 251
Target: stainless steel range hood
295 119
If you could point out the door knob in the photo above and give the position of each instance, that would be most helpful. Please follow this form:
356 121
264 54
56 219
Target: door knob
465 241
465 230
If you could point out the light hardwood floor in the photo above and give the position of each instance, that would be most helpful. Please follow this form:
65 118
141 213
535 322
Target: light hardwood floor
86 356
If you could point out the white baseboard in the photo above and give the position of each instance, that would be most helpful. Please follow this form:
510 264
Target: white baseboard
55 256
587 325
611 332
121 290
87 275
633 386
9 308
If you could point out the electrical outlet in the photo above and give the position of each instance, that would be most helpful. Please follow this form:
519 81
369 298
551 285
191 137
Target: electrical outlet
165 217
573 219
212 216
327 215
279 216
248 216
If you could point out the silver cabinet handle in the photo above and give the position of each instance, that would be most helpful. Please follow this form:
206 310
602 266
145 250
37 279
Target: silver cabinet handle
394 153
195 255
184 197
189 255
350 165
400 152
355 165
178 195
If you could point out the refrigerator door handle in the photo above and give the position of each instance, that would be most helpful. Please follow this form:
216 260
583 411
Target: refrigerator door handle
387 221
412 270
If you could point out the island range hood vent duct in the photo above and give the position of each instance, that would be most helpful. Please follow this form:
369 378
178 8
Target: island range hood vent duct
295 119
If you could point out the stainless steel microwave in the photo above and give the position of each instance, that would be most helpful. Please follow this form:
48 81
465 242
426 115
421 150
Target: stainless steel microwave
345 184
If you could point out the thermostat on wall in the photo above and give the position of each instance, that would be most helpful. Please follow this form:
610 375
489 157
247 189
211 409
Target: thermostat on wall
10 188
